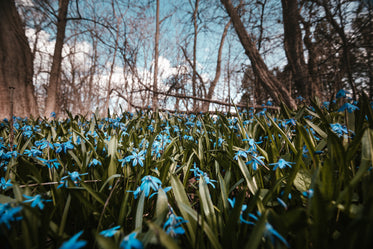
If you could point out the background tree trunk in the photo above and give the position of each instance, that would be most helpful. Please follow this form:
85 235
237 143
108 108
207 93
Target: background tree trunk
294 47
52 91
16 68
276 90
156 57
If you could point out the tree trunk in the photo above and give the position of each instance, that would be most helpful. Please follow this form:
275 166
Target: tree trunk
16 67
274 88
346 51
312 61
206 105
194 75
294 47
54 80
156 57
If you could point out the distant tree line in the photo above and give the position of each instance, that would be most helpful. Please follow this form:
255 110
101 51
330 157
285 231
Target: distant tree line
80 56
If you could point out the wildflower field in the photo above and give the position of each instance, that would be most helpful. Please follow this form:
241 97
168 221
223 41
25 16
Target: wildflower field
255 179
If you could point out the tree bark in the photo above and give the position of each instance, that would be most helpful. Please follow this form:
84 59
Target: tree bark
16 67
346 51
294 47
206 105
274 88
156 57
54 80
194 75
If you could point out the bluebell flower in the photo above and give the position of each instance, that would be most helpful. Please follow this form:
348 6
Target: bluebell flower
74 243
282 203
95 162
36 200
198 173
52 163
5 184
53 115
136 158
326 104
281 164
149 183
269 103
173 225
64 146
74 177
110 232
220 142
256 161
300 98
11 154
240 153
291 121
27 131
232 202
33 152
341 94
339 129
130 242
349 107
270 232
42 144
9 214
308 193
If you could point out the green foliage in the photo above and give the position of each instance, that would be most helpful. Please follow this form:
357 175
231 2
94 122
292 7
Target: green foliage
266 180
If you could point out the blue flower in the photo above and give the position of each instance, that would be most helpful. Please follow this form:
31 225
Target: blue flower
149 183
64 146
36 200
74 243
74 177
52 163
349 107
5 184
136 158
341 94
232 202
130 242
198 173
42 144
256 161
270 232
34 152
300 98
281 164
240 153
110 232
9 214
53 115
95 162
339 129
173 225
308 193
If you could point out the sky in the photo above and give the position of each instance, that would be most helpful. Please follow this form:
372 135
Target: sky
176 29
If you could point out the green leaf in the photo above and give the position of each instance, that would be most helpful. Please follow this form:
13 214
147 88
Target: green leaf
302 181
251 183
206 228
140 212
165 240
182 199
207 205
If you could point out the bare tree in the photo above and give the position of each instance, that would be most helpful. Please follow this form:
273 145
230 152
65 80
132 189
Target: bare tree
55 73
16 69
276 90
294 47
156 58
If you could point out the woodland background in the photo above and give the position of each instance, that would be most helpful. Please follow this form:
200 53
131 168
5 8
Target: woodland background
188 55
